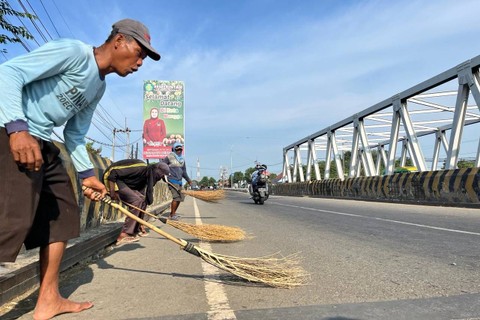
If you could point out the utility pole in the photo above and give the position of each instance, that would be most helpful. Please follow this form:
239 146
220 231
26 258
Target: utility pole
231 167
127 148
221 177
198 169
113 145
127 131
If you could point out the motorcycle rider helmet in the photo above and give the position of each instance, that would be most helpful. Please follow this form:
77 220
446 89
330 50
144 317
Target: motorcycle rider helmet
261 167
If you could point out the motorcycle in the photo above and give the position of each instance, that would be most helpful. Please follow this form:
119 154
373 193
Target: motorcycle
259 187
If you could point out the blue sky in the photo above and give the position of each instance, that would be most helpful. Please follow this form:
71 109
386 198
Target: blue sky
262 74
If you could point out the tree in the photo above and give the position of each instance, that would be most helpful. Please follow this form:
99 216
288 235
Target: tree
248 174
92 150
16 31
408 162
238 176
204 182
462 163
212 182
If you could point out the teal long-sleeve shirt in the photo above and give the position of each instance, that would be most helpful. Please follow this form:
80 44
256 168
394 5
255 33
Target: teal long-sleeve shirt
54 85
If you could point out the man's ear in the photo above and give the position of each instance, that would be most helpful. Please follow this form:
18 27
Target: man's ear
118 40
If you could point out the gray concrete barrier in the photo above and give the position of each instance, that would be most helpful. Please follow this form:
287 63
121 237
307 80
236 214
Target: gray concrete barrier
460 187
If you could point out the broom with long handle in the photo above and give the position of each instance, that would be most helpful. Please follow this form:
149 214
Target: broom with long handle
208 196
281 272
206 232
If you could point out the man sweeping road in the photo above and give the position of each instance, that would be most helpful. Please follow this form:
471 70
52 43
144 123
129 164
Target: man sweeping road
132 182
178 172
58 84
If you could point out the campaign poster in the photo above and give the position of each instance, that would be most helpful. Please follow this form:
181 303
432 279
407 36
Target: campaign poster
163 117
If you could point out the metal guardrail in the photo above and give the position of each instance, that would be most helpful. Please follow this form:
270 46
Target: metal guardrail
433 116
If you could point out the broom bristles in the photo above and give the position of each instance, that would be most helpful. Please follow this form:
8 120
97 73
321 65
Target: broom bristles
279 272
209 196
210 232
206 232
273 270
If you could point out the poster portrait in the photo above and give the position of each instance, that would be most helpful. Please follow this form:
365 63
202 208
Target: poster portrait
163 117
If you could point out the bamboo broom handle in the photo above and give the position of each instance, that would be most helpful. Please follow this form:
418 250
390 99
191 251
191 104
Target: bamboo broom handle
164 220
180 242
171 184
141 210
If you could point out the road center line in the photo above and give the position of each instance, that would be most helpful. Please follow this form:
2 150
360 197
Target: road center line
381 219
216 296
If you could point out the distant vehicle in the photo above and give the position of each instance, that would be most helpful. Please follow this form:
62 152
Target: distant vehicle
405 169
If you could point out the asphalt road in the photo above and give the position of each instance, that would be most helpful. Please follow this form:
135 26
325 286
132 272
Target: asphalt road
366 260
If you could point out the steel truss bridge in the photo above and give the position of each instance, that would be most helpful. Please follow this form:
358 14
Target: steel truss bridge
432 118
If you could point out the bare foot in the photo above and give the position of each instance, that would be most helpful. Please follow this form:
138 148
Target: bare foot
123 235
48 311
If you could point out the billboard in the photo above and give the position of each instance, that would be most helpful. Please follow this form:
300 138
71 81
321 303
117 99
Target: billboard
163 117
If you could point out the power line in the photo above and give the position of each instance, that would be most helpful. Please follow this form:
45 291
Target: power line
61 15
99 128
33 22
39 20
107 93
110 145
49 18
106 117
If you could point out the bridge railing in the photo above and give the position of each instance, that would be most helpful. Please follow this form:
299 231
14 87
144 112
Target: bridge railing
434 124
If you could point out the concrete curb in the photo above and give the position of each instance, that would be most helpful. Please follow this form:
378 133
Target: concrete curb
23 275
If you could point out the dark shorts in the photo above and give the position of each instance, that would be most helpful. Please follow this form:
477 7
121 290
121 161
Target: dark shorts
177 194
36 208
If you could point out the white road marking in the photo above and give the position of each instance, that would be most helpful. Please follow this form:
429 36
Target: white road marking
381 219
216 296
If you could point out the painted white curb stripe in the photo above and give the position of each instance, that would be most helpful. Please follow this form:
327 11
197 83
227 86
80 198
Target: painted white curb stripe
216 296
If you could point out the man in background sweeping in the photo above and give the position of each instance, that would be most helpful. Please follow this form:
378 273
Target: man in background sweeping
178 172
132 182
58 84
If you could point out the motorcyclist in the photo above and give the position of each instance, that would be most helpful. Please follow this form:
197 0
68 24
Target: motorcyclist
256 175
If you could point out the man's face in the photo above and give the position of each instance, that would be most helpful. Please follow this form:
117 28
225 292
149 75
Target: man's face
128 56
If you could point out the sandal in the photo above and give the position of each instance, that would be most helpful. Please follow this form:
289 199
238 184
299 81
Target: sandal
125 240
143 233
